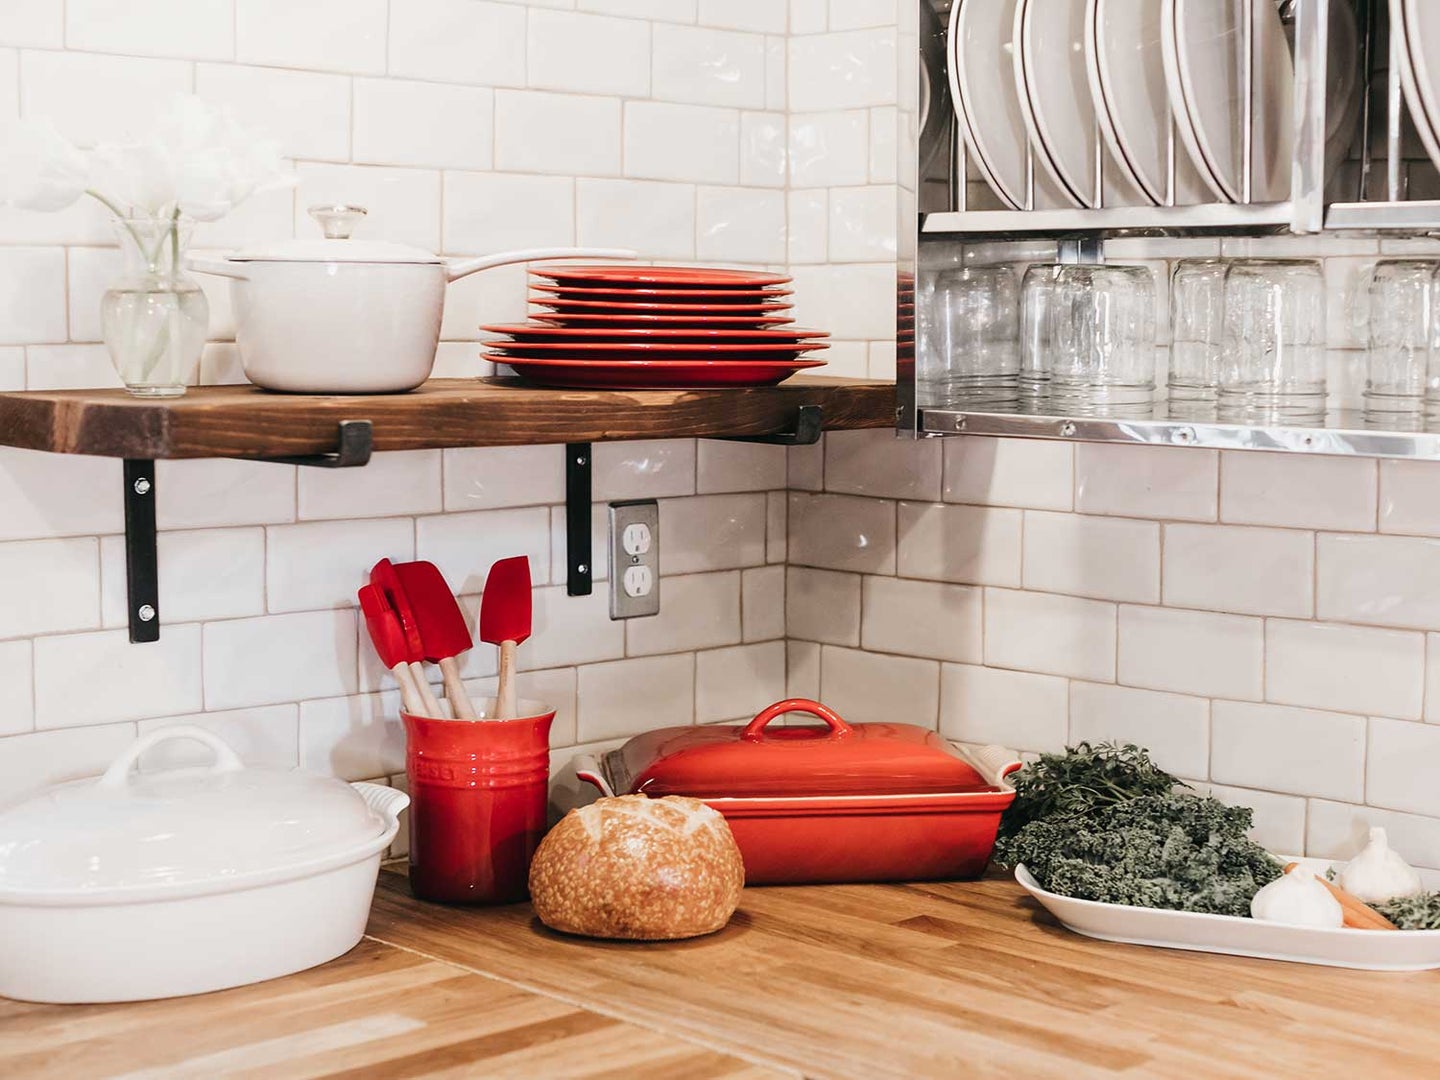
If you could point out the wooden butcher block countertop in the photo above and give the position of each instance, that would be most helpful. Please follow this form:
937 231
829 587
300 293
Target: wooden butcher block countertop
864 981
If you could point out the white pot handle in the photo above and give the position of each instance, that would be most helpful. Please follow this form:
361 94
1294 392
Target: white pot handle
226 760
386 801
463 267
588 769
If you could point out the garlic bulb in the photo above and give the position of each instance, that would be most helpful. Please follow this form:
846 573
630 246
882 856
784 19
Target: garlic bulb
1378 875
1299 899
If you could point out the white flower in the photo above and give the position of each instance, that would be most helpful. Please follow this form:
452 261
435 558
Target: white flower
39 169
138 177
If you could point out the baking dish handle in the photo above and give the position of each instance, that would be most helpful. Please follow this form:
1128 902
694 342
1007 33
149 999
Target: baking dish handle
226 760
755 730
587 768
993 763
386 801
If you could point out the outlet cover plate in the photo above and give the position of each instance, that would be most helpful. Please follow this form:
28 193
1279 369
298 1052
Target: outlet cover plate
634 544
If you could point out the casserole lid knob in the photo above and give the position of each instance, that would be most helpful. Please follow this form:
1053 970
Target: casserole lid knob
755 730
337 222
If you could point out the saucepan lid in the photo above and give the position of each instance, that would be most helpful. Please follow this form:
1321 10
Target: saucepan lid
765 759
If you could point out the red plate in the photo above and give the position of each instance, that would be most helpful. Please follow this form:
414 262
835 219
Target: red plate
664 276
679 322
581 334
648 295
582 306
641 349
656 375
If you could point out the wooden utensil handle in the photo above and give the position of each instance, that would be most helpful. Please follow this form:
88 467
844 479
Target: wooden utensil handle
427 696
409 696
460 702
505 688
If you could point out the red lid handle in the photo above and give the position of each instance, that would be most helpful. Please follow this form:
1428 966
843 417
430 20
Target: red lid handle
755 730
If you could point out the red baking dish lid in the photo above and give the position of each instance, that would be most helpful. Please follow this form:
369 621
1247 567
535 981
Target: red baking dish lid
758 760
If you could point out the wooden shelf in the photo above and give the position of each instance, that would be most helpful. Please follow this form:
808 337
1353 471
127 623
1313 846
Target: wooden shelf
244 422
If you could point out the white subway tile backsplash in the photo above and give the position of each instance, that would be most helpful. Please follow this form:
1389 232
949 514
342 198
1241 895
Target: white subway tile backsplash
762 603
17 693
1173 727
1407 497
884 144
1192 652
32 295
29 480
1250 571
920 618
869 688
38 23
267 736
1339 830
12 368
389 129
1298 751
557 133
36 760
776 67
1279 819
1400 767
736 683
486 478
192 29
569 630
205 574
353 738
829 149
858 14
644 470
808 226
307 112
802 669
697 611
854 301
465 545
1145 481
1052 635
1298 490
656 219
738 466
588 54
969 544
609 707
1100 557
462 41
1350 668
491 212
763 153
742 225
762 16
1385 580
673 10
70 367
321 564
404 204
273 659
89 272
1031 473
809 16
863 223
681 142
83 679
399 482
822 605
330 35
712 532
877 463
842 532
50 585
843 70
1015 709
200 494
700 66
93 98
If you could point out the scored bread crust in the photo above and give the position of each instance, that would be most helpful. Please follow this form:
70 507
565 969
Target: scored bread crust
638 868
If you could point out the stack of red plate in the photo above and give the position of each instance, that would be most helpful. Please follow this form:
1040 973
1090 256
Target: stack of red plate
656 326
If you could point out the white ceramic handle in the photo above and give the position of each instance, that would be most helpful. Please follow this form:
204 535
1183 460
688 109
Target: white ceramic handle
226 760
387 801
589 770
463 267
218 267
993 763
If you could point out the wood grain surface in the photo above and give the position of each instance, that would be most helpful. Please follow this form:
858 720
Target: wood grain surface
378 1011
950 980
243 421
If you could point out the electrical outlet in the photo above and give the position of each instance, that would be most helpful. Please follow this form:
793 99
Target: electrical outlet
634 559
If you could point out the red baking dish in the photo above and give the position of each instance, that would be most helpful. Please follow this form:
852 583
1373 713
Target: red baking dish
843 802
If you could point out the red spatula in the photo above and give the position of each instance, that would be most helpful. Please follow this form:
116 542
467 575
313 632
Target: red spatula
383 576
389 641
443 633
505 621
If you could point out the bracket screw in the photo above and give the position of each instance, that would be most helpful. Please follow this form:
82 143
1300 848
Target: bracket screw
142 486
146 612
582 568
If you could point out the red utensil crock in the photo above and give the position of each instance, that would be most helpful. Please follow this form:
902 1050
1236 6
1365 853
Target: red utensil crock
478 795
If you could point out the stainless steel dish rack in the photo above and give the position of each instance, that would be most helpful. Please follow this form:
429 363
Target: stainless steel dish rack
942 222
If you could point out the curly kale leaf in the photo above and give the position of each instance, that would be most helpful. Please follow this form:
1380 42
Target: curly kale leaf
1174 850
1420 912
1083 779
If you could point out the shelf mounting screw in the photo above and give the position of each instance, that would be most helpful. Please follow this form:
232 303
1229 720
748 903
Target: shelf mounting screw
1067 429
142 486
146 612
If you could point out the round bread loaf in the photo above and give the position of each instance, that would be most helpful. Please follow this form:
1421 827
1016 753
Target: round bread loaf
639 868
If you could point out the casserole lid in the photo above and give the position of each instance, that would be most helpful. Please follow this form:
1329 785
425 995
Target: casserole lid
337 222
180 826
729 761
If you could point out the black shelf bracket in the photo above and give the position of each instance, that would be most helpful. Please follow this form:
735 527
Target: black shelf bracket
809 423
579 558
142 588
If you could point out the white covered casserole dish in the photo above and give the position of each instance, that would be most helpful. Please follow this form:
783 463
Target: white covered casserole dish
132 886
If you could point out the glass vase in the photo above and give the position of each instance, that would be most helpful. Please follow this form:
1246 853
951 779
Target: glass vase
155 318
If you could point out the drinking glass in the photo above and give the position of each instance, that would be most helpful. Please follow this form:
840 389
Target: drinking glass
1103 332
1273 366
1401 311
974 357
1197 331
1037 290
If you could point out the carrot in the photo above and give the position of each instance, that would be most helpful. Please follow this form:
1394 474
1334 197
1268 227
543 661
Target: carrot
1358 914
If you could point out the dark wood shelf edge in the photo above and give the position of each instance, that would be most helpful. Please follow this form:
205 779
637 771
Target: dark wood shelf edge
245 422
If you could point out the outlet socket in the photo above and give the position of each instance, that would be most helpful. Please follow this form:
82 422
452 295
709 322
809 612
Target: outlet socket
634 559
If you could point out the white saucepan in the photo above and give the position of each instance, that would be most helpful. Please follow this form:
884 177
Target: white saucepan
132 885
343 316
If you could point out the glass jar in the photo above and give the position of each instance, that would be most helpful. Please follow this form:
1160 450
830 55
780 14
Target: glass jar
1197 331
1401 313
1103 330
155 319
1273 367
974 358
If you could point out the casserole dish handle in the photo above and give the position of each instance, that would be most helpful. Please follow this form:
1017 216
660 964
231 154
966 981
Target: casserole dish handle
226 760
386 801
993 763
588 768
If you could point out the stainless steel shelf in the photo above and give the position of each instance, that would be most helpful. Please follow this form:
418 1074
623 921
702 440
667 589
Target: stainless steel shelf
1418 216
1207 218
1342 433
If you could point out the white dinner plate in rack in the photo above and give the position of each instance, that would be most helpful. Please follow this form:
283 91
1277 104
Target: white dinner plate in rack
1058 107
1126 72
1203 54
1420 67
987 103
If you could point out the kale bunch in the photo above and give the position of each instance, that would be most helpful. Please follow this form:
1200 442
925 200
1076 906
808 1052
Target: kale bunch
1420 912
1083 779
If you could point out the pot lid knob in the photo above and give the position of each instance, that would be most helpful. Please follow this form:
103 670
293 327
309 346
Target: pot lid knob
337 220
